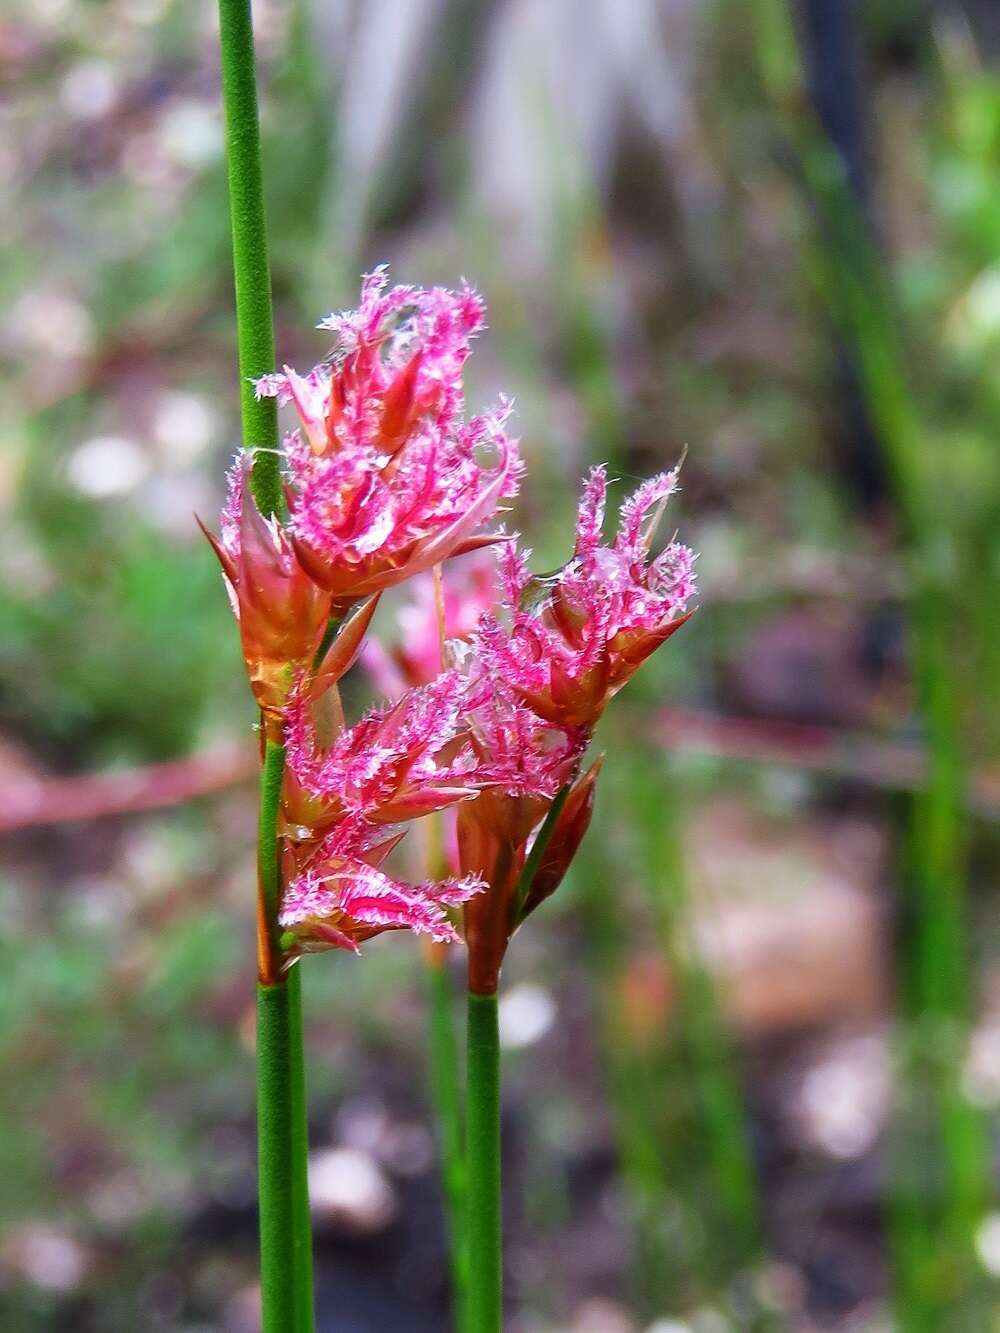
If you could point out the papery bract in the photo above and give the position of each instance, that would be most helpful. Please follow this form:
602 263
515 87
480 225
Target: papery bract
282 613
567 833
386 477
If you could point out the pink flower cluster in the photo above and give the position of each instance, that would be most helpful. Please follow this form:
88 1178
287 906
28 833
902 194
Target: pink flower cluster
498 678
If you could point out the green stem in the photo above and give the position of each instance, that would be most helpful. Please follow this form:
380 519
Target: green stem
251 269
446 1096
305 1321
483 1215
282 1126
275 1150
285 1235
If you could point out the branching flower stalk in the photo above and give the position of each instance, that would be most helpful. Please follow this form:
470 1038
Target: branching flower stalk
491 702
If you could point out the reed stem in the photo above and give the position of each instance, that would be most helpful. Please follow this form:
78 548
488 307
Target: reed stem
251 267
275 1179
446 1097
483 1216
305 1319
282 1126
282 1143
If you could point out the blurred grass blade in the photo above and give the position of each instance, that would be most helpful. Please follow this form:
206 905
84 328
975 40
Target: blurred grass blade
934 1213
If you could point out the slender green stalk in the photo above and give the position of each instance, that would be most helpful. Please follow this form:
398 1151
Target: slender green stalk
446 1097
483 1211
285 1239
282 1126
251 269
275 1148
305 1320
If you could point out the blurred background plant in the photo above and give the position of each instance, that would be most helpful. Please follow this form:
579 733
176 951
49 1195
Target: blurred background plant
754 1047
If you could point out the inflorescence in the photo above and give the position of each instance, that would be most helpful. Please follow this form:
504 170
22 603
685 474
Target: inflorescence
500 676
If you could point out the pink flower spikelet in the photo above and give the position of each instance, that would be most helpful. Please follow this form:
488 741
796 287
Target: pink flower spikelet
397 763
387 476
344 898
590 626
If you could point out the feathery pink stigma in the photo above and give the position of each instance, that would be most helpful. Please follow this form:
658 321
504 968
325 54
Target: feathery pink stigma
633 512
590 519
520 754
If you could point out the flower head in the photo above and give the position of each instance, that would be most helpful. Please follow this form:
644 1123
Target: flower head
576 637
343 897
387 477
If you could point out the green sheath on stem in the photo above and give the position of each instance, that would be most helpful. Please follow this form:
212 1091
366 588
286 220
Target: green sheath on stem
446 1094
268 869
483 1215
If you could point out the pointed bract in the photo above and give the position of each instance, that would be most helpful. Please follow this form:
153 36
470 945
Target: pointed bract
568 833
282 613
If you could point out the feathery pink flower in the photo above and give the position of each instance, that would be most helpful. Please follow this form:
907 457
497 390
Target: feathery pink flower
343 897
397 763
386 476
597 620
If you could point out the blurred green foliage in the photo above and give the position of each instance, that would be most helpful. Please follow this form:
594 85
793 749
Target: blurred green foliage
685 299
